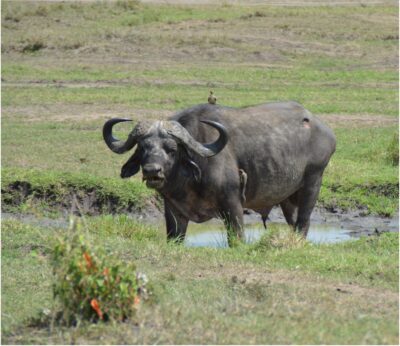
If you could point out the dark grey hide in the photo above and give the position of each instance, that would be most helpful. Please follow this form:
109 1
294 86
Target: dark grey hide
261 156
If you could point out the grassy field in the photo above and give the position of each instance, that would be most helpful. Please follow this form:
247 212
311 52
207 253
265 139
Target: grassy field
66 67
271 292
69 66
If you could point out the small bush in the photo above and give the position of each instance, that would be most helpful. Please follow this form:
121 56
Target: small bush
12 17
281 238
392 153
73 44
33 46
255 14
41 11
128 5
92 285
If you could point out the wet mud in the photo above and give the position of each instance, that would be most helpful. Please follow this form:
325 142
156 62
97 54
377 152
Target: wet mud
326 227
355 221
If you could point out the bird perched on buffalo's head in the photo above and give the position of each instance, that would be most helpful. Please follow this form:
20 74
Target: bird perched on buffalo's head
212 99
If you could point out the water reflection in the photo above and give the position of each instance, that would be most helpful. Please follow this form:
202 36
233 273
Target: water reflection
214 236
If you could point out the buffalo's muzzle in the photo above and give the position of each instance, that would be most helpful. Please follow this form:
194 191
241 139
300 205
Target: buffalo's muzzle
153 175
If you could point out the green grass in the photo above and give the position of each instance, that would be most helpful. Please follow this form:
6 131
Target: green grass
259 75
367 261
359 91
328 58
24 254
60 146
280 295
220 73
392 155
95 18
345 100
359 174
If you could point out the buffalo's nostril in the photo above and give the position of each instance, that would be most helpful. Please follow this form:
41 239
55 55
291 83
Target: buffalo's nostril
151 169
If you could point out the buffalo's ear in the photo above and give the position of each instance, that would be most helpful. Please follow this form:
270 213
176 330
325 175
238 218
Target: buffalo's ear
194 169
132 166
191 167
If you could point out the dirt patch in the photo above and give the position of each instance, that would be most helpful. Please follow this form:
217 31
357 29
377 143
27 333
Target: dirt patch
240 274
263 2
111 83
256 279
245 38
362 120
272 2
79 113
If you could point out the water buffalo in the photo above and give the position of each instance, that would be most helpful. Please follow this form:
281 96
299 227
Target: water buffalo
256 157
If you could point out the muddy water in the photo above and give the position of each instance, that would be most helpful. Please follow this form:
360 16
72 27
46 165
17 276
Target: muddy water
216 236
326 227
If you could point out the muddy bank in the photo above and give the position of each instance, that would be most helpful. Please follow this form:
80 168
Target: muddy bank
354 220
66 199
350 222
21 200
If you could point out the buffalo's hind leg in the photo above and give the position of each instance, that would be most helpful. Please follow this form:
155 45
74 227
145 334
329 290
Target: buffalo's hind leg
289 209
176 223
307 197
264 215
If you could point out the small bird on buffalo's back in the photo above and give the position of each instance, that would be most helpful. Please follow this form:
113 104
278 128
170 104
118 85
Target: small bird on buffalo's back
212 99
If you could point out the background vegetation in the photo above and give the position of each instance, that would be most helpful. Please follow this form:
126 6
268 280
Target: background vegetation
68 66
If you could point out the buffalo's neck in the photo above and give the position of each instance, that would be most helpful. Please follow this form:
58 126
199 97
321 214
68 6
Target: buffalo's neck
188 197
178 187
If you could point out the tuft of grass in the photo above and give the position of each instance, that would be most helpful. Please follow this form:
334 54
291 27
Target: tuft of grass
283 238
123 226
392 155
33 45
128 4
42 11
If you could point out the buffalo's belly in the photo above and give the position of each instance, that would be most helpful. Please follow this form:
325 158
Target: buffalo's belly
268 188
269 198
262 201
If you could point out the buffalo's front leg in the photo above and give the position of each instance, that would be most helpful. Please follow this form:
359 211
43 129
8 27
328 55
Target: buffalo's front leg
176 223
232 215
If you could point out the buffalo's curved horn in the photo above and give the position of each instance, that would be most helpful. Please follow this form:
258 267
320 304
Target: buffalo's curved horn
113 143
205 150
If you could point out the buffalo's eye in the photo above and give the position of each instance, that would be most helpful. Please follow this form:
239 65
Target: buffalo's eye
170 147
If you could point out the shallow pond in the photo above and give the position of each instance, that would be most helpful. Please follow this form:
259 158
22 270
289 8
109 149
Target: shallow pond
215 235
325 227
